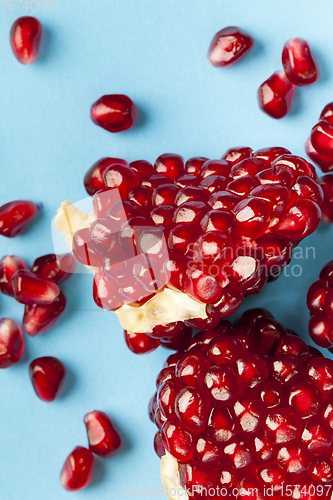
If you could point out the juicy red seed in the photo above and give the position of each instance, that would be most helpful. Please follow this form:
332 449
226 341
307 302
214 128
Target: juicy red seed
15 216
28 288
322 138
213 246
47 376
171 165
120 177
104 200
277 197
191 408
296 164
141 196
277 175
202 286
93 180
327 113
193 165
320 372
242 186
228 46
275 95
101 236
165 194
11 342
253 217
121 211
207 452
176 265
152 181
180 238
249 166
224 350
191 368
142 168
305 399
187 180
223 200
316 438
213 319
214 183
326 183
38 318
282 426
103 438
114 113
250 317
229 302
272 394
238 454
55 267
178 441
169 330
25 37
299 64
221 384
278 252
307 188
301 220
9 265
215 167
221 221
180 341
139 343
77 470
324 162
83 250
191 193
158 445
294 346
316 296
249 412
106 292
320 329
251 371
235 155
327 272
268 155
194 476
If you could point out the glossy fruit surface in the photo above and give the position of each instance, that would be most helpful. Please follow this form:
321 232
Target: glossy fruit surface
139 343
246 405
58 268
228 46
47 376
326 183
299 63
275 95
114 113
15 216
93 180
320 305
77 470
103 439
28 288
25 38
11 342
9 265
38 318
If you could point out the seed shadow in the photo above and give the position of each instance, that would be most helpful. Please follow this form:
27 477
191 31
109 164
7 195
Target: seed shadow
258 49
297 103
126 444
45 45
69 383
99 471
25 358
325 73
141 117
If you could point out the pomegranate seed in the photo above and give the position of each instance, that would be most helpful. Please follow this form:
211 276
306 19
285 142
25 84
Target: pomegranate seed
28 288
106 292
235 155
103 439
322 138
299 64
253 216
47 376
54 267
25 37
275 95
9 265
326 183
178 441
268 155
77 470
158 445
38 318
228 46
142 169
11 342
215 167
180 341
193 165
324 162
296 164
171 165
202 286
120 177
164 194
15 216
139 343
299 221
84 251
93 180
114 113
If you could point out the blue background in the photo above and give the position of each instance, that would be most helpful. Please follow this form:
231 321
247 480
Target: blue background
156 53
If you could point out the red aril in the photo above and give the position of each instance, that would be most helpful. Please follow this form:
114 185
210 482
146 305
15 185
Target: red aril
11 342
93 180
9 265
103 439
47 375
120 177
38 318
228 46
28 288
77 470
299 64
275 95
114 113
139 343
322 138
326 183
54 267
325 163
25 37
15 216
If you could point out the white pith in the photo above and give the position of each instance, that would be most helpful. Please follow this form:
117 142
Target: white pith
166 306
170 478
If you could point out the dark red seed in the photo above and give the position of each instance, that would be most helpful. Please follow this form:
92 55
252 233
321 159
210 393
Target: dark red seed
25 37
235 155
11 342
324 162
77 470
228 46
299 64
93 180
9 265
122 178
114 113
103 438
84 251
268 155
275 95
193 165
322 138
326 183
171 165
15 216
142 168
28 288
47 376
54 267
139 343
38 318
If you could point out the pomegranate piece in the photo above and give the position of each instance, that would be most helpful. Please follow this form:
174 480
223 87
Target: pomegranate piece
122 178
25 37
11 342
322 138
77 470
93 180
15 216
320 305
58 268
38 318
28 288
275 95
326 183
114 113
299 63
139 343
325 163
9 265
47 375
228 46
84 251
260 421
171 165
103 439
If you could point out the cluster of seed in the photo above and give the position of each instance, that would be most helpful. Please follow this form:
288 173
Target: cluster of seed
249 406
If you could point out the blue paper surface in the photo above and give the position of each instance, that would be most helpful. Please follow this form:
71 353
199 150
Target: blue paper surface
155 52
